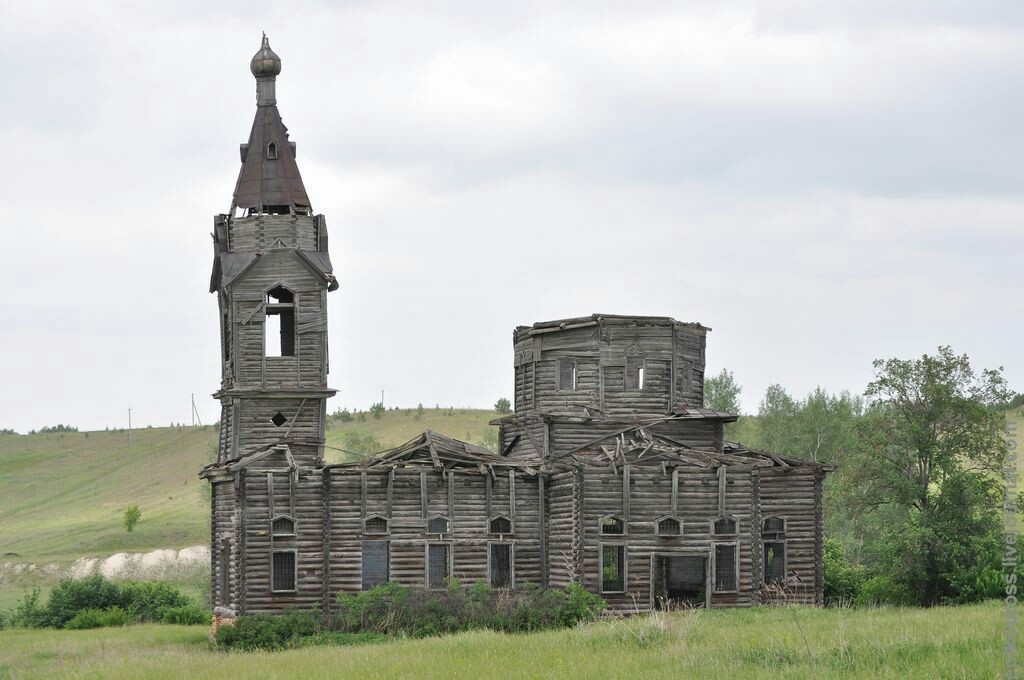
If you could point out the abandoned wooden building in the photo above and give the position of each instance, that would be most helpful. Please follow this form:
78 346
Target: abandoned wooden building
610 472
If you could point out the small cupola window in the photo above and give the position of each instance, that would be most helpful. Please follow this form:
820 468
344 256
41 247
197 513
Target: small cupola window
272 151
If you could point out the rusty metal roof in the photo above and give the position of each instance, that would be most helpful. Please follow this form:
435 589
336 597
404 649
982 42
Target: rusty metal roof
269 174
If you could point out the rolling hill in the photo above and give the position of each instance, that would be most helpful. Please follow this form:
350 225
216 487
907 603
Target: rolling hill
62 495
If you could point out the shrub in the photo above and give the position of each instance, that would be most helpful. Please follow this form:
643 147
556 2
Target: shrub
132 515
269 632
393 609
150 600
28 613
843 580
70 597
186 615
99 618
879 590
503 406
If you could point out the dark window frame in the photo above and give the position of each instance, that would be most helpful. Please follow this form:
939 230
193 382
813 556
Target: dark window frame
435 517
295 570
568 374
659 532
600 568
511 563
494 518
635 377
449 567
716 588
362 562
713 530
783 553
288 313
376 516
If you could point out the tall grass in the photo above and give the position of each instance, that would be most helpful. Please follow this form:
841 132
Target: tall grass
777 642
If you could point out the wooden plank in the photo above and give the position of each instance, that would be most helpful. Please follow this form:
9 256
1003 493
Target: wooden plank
423 494
512 495
542 537
391 490
451 496
721 489
625 493
487 496
675 491
362 494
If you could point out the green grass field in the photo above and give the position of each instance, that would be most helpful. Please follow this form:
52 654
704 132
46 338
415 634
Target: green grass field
62 496
791 642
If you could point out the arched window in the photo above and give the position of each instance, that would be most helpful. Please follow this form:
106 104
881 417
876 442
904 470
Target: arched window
611 525
724 526
282 525
279 331
668 526
272 151
773 528
500 525
375 524
438 524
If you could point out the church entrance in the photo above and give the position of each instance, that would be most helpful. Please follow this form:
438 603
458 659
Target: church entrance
679 580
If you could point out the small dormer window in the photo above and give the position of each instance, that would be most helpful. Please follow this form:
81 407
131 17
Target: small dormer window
282 525
438 524
611 525
668 526
724 526
500 525
272 151
375 524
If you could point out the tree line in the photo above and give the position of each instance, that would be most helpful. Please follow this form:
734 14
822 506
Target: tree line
914 510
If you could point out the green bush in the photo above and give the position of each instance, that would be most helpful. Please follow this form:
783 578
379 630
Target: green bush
70 597
28 613
393 609
269 632
338 638
99 618
879 590
186 615
150 600
843 580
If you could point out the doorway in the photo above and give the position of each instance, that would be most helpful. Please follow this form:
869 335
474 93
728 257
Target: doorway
679 580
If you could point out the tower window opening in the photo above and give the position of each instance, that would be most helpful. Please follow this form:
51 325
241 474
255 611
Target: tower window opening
272 151
279 326
635 369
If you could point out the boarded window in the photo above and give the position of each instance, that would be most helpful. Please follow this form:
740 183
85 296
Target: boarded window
635 370
437 525
501 525
282 526
773 529
566 374
438 565
669 526
375 564
283 571
725 567
279 326
613 568
501 565
725 526
375 525
774 562
612 526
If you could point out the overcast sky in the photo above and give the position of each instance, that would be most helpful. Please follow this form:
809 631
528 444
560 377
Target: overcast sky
821 183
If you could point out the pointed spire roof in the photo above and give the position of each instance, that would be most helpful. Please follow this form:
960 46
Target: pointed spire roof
269 174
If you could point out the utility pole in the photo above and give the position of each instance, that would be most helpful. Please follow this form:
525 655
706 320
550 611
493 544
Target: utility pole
382 397
129 422
193 409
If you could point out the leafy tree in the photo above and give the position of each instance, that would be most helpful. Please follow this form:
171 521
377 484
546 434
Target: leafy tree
722 392
933 448
132 515
503 406
377 410
821 427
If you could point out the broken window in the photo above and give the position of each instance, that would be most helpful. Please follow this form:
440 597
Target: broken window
500 561
773 529
500 525
272 151
279 326
282 526
282 571
724 526
635 369
774 562
611 525
613 568
375 564
725 567
567 374
438 565
438 524
669 526
375 524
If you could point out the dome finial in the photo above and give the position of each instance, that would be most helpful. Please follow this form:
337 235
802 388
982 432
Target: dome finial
265 65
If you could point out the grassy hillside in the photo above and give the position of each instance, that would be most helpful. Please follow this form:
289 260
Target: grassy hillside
769 642
62 495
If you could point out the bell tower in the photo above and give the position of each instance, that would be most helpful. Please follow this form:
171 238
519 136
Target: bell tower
271 273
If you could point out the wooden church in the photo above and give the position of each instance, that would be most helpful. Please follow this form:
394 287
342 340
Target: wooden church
610 473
